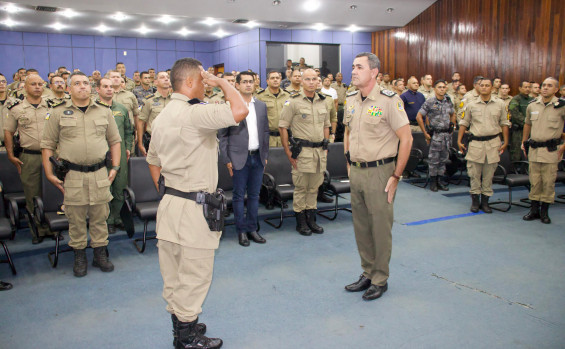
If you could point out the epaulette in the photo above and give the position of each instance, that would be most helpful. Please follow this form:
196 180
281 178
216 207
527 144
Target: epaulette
261 91
532 101
322 96
352 93
447 97
12 103
559 103
387 93
53 103
195 101
149 96
294 94
102 103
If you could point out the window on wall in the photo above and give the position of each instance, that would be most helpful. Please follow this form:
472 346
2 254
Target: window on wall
325 57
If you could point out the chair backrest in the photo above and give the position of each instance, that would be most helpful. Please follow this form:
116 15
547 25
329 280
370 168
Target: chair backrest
9 175
140 180
419 142
278 166
506 162
51 195
225 181
337 163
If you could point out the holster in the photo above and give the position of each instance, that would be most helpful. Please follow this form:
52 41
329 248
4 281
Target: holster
17 146
214 206
146 140
325 143
295 148
59 168
527 147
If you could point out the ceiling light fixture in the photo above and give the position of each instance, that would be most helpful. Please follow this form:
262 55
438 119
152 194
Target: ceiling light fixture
353 28
210 21
102 28
68 13
276 2
319 26
184 31
11 8
220 33
311 5
166 19
389 10
119 16
353 7
8 22
143 30
57 26
251 24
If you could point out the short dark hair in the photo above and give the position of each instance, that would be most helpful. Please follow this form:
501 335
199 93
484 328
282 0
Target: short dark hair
181 69
248 73
119 63
75 74
484 79
99 82
497 77
227 74
522 83
151 69
504 83
477 79
17 71
32 70
271 72
56 76
459 87
143 73
439 82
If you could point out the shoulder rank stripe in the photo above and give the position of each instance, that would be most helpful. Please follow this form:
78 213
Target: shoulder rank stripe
102 103
13 102
322 96
387 93
352 93
560 103
261 92
149 96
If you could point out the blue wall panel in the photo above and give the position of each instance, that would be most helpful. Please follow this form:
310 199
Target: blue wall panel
63 40
254 61
184 54
204 46
36 39
83 58
233 58
83 40
16 61
60 56
322 36
146 44
302 35
184 45
146 59
224 43
263 56
340 37
224 58
361 38
37 57
104 42
347 55
130 60
265 34
232 41
129 43
11 38
105 59
206 58
165 60
168 45
283 35
360 48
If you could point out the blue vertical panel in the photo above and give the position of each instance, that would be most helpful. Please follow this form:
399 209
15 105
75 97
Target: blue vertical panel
60 56
283 35
265 34
16 61
184 54
36 57
360 48
61 40
35 39
83 40
216 58
254 56
146 59
233 58
240 39
105 59
232 41
321 37
242 54
253 35
167 45
206 58
224 43
165 59
126 43
224 58
11 38
263 66
347 55
130 60
217 45
146 44
302 35
184 45
204 46
104 42
342 37
83 58
363 38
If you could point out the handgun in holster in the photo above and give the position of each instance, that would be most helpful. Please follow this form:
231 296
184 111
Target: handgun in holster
325 144
161 185
17 146
527 147
59 168
146 140
295 147
213 206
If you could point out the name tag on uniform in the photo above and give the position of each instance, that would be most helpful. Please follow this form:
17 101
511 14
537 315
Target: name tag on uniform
535 112
156 104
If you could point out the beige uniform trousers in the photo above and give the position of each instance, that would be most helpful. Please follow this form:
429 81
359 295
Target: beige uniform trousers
31 182
481 177
275 141
542 180
97 216
187 275
372 220
415 129
305 190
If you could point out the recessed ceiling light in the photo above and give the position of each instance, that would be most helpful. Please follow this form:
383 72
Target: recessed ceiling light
353 7
319 26
11 8
118 16
8 22
102 28
68 13
220 33
311 5
251 24
389 10
166 19
210 21
353 28
184 31
57 26
276 2
143 30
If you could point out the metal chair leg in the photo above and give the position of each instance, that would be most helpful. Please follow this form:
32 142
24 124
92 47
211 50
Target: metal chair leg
8 258
143 239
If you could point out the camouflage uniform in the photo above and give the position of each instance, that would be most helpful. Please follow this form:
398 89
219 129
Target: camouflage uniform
517 109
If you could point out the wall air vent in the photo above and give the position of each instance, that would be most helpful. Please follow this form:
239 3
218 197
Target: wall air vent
240 21
45 8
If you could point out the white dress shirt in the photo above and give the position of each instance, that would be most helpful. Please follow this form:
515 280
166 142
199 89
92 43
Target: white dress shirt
251 120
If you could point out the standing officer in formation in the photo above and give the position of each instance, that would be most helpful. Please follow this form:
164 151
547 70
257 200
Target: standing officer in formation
59 88
211 96
486 118
125 98
28 118
120 113
308 117
152 106
341 89
377 130
274 97
517 109
130 84
441 121
295 82
544 124
184 150
3 111
81 131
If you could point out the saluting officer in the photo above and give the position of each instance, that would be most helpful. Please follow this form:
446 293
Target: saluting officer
152 106
274 97
517 109
377 130
81 131
544 124
184 150
486 118
28 118
307 115
441 120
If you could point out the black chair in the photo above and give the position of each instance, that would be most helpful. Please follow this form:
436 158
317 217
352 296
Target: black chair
277 181
560 178
48 211
511 174
418 159
338 178
13 190
225 182
7 230
141 197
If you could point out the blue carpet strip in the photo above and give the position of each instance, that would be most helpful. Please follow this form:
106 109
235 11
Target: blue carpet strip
446 218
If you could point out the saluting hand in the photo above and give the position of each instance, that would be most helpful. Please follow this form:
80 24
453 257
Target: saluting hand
209 79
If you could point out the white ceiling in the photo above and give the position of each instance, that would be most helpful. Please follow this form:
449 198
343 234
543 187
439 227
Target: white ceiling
370 15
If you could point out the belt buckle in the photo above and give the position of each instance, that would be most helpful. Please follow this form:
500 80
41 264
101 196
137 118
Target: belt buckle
357 164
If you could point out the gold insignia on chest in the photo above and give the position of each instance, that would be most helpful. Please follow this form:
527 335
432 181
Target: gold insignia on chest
375 111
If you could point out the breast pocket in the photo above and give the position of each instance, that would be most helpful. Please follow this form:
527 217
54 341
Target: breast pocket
68 127
101 126
553 121
23 122
305 115
322 115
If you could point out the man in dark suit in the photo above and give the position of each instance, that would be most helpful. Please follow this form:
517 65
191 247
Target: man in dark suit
244 150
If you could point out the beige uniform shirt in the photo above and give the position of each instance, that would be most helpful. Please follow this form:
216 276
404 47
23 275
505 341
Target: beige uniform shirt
83 139
130 84
373 123
152 106
506 100
386 86
331 108
184 145
3 114
215 98
547 123
307 120
29 121
341 92
427 93
290 90
484 119
274 105
128 100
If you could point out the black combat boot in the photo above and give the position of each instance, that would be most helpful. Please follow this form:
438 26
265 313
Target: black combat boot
79 268
475 204
301 225
322 196
199 327
190 338
440 185
534 212
544 213
433 183
101 259
484 204
311 221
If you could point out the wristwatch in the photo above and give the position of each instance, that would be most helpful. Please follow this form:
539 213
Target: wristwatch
117 168
399 178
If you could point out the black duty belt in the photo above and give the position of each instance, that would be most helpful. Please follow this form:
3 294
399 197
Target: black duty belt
274 133
441 130
309 144
193 195
33 152
84 168
253 152
472 137
413 122
552 143
371 163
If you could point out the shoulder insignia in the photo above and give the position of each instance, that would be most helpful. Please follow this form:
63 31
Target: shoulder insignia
532 101
195 101
353 93
447 97
560 103
102 103
388 93
261 91
295 95
322 96
150 96
55 103
13 102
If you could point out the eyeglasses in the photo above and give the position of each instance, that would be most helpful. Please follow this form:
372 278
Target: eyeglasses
58 82
3 82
